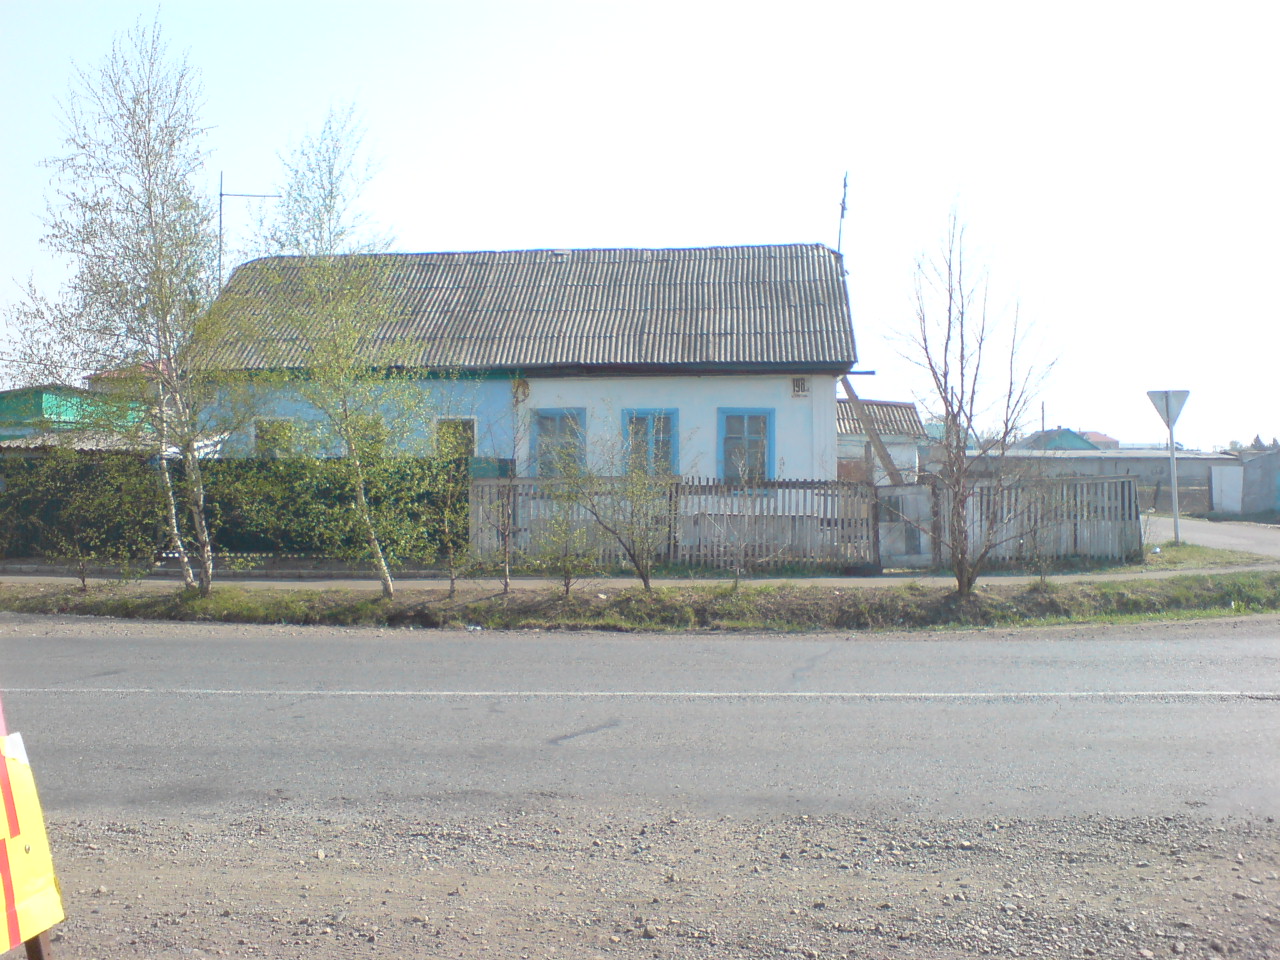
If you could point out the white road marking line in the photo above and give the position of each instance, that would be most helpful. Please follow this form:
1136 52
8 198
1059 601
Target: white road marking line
662 694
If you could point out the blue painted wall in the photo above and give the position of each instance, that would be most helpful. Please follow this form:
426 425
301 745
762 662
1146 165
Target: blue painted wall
487 401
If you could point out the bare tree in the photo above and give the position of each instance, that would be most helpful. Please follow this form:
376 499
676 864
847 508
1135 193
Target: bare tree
980 393
562 543
128 216
506 515
626 486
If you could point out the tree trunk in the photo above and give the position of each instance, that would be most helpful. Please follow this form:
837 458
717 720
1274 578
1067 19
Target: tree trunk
449 558
171 518
508 531
199 526
371 533
961 560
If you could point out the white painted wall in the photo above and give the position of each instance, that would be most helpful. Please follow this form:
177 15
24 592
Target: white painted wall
804 427
905 455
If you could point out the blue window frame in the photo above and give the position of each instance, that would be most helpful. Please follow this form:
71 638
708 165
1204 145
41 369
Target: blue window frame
558 436
745 445
651 441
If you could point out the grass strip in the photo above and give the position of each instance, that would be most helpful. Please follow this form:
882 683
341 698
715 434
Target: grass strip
791 607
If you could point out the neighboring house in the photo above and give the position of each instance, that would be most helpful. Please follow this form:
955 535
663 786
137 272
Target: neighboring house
1260 487
1148 467
713 361
28 411
1059 438
1249 485
1101 440
899 426
35 419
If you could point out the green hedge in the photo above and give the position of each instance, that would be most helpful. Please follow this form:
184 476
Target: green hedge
85 507
291 506
294 506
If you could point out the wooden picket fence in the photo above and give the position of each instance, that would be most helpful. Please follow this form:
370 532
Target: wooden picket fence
820 524
1090 517
697 522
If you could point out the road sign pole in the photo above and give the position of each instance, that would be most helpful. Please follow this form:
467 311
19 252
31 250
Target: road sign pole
1173 472
1168 404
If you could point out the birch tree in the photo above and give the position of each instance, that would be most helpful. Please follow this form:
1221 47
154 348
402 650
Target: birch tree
128 216
349 374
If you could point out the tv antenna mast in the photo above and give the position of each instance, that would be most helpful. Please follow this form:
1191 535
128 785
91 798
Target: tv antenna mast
221 195
844 205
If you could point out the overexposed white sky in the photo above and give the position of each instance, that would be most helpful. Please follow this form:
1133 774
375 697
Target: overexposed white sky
1116 164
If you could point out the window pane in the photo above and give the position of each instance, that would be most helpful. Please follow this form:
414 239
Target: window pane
274 438
734 458
663 461
559 443
650 441
745 447
637 444
545 436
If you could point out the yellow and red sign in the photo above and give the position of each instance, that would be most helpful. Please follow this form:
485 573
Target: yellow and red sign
32 899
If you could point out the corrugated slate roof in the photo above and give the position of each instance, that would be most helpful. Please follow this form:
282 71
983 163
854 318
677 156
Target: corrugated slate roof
714 308
890 418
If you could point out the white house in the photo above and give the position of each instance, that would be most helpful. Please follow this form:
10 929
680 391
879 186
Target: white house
716 361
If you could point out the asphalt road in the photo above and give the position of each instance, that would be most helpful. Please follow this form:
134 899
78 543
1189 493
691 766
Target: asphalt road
1260 538
173 719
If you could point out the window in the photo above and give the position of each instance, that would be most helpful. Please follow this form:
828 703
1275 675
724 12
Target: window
456 439
650 441
558 446
365 434
746 445
274 439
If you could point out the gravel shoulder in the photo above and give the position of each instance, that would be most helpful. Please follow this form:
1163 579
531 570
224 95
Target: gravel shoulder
556 877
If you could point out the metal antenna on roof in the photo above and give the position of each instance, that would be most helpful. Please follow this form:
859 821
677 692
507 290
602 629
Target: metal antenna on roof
221 194
844 205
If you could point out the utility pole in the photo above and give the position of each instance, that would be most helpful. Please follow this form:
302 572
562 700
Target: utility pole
868 427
